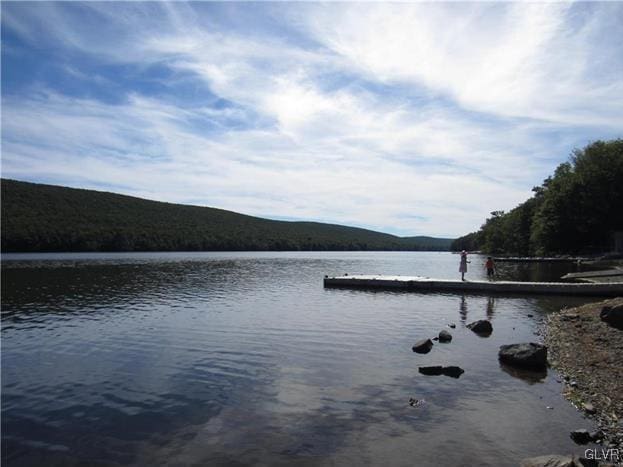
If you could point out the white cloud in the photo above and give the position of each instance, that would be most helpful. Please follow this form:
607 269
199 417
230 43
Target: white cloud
414 116
146 148
519 59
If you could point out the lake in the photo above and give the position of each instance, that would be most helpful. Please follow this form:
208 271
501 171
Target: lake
245 359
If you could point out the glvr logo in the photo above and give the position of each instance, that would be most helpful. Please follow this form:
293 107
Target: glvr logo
611 454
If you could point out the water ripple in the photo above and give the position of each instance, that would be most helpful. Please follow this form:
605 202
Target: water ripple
243 358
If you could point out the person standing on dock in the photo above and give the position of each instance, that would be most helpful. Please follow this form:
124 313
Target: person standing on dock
490 265
463 265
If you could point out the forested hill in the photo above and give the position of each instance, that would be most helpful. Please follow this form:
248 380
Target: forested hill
39 217
579 209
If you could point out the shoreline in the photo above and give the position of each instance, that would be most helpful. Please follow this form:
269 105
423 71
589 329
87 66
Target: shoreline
588 354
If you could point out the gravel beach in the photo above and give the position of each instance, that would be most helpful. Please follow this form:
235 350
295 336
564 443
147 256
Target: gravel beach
589 355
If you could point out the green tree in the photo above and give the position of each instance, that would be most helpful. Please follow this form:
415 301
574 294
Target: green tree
576 210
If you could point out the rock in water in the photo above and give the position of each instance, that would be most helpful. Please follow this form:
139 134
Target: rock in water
423 346
528 355
481 327
581 436
613 315
453 371
445 336
431 370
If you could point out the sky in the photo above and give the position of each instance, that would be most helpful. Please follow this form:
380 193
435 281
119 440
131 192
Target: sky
406 118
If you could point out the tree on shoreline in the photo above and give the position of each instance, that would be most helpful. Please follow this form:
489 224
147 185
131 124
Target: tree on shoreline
577 210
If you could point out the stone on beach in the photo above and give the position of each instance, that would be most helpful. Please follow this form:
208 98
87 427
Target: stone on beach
481 327
525 355
423 346
613 315
588 408
551 461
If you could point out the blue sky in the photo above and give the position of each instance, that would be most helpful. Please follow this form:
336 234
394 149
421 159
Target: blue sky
408 118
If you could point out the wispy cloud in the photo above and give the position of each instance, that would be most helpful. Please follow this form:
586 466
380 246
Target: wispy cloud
410 118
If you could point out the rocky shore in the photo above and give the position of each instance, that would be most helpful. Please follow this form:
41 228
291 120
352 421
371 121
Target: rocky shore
588 353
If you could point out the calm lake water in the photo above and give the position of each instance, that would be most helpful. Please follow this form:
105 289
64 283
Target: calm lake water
245 359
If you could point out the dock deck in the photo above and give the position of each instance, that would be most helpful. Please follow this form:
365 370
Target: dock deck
603 276
426 284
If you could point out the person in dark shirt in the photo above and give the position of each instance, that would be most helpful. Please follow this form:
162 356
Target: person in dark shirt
490 265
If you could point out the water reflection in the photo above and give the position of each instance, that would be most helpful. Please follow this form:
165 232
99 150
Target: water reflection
530 376
463 309
490 307
248 360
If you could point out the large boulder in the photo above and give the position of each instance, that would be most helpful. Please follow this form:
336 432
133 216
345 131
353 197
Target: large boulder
528 355
423 346
481 327
613 315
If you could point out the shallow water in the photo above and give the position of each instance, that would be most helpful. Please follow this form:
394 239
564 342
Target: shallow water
244 358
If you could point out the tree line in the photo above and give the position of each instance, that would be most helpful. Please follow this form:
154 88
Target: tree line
37 217
577 210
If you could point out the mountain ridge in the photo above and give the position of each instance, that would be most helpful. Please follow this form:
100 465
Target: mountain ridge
42 217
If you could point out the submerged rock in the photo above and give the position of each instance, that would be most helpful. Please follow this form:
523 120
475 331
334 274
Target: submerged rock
481 327
445 336
415 402
526 355
423 346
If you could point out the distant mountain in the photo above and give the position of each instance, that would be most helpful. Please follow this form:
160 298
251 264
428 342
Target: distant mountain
38 217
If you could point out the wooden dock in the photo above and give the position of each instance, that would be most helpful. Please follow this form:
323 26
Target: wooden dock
426 284
607 275
538 259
